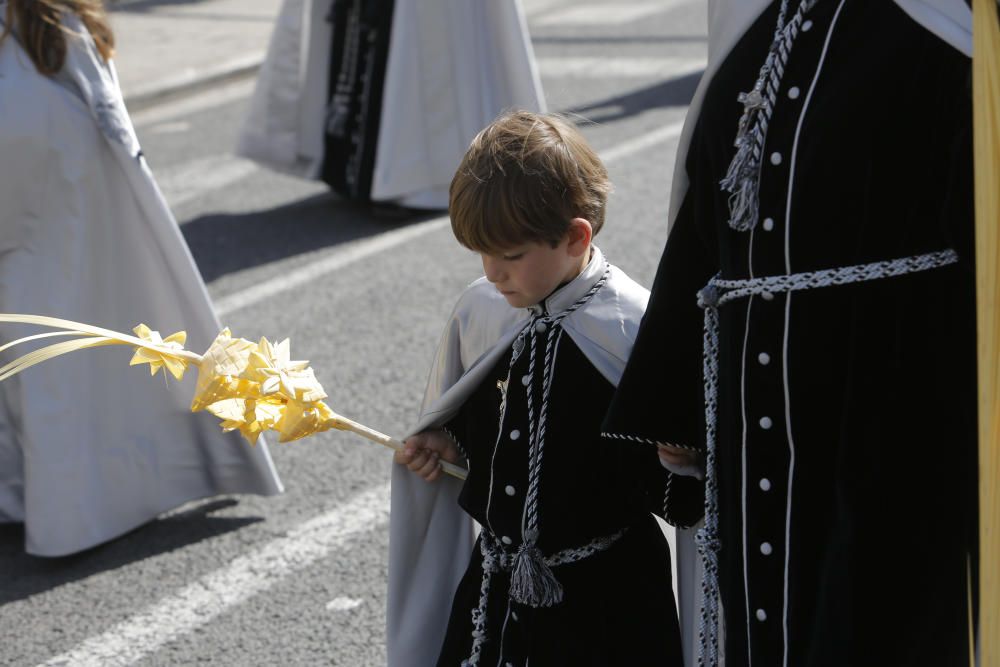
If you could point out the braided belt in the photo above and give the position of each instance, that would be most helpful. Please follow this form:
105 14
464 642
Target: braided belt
715 294
497 559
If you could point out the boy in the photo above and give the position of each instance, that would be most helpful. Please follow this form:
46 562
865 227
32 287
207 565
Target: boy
570 568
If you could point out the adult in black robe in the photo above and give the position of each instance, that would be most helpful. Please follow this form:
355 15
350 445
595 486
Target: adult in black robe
846 421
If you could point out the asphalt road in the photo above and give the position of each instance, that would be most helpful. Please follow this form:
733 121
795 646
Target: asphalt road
299 579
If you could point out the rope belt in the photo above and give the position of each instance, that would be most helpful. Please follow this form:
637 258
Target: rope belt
497 559
715 294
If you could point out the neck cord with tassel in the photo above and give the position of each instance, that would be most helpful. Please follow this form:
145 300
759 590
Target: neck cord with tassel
532 582
742 180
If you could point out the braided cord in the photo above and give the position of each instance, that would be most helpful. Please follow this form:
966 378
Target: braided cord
717 293
536 432
742 180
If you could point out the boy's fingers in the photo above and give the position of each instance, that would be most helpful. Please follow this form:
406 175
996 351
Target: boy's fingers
430 465
417 461
434 474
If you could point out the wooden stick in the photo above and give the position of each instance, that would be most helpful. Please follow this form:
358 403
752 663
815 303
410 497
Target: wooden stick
345 424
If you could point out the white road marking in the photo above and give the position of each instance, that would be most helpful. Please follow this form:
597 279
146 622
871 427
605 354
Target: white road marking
642 142
343 604
218 591
184 77
218 96
606 14
194 179
343 256
357 250
617 68
171 127
533 8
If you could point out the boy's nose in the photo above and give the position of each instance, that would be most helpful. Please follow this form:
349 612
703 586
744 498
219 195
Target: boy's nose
493 270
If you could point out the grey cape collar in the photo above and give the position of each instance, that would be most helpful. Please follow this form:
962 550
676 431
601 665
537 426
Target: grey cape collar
483 326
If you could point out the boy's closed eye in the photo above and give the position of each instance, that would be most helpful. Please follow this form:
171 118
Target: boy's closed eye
512 256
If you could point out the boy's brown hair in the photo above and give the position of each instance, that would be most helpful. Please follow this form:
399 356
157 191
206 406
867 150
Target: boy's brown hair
524 177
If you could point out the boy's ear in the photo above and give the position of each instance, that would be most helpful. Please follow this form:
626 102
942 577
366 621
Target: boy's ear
578 236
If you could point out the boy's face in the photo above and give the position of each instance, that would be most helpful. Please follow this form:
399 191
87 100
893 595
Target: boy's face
528 273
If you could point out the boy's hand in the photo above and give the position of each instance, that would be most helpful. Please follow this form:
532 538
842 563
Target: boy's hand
681 461
425 451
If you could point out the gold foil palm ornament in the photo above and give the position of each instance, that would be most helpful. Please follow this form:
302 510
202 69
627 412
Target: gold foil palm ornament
251 387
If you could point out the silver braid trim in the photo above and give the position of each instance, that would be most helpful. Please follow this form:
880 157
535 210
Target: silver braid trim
742 180
646 441
715 294
532 582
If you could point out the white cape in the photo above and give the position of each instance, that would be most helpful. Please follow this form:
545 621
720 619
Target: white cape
430 537
89 447
453 66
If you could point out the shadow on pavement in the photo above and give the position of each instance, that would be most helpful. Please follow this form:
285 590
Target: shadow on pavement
293 229
23 575
672 93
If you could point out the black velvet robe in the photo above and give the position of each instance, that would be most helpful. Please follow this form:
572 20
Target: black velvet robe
618 607
847 516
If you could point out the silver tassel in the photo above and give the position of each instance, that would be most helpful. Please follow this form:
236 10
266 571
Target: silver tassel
532 582
742 177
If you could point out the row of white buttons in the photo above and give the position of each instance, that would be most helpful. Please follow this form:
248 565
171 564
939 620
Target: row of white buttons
776 158
510 490
764 358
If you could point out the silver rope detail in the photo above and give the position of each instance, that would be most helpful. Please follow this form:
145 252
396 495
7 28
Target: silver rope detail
715 294
497 559
742 180
532 582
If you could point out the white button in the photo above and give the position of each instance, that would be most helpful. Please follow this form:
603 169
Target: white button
766 549
540 327
807 25
509 490
793 93
525 380
764 358
513 615
515 434
767 296
765 423
761 615
768 224
765 484
776 158
505 540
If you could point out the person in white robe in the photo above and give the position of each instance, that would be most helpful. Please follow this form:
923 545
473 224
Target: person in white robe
451 67
90 448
